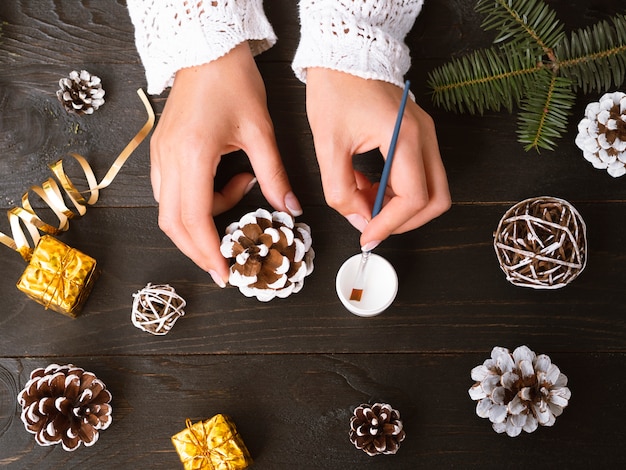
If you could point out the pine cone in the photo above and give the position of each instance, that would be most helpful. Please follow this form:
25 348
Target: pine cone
519 391
65 404
156 308
272 254
376 429
602 133
81 93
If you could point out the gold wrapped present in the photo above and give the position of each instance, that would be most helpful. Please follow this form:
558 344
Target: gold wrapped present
213 444
58 277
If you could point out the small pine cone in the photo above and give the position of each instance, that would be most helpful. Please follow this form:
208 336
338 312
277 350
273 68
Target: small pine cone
519 391
272 254
156 308
602 133
376 429
65 404
81 93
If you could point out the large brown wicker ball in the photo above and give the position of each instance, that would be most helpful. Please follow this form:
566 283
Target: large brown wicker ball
541 243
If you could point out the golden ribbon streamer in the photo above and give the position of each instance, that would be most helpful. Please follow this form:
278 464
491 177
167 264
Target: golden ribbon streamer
51 194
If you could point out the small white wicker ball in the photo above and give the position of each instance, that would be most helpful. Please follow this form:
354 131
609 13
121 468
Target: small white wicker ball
156 308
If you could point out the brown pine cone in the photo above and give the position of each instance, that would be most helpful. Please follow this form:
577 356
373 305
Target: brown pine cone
65 404
81 93
272 254
376 429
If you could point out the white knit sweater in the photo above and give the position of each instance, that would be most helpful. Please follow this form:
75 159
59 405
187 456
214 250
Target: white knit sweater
364 38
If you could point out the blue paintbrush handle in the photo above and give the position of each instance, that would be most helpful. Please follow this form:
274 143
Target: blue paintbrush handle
380 195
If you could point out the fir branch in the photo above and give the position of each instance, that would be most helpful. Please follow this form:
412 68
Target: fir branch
529 21
536 67
545 110
488 79
595 58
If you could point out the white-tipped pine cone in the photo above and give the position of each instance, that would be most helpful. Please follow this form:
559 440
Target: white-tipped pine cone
519 391
272 254
602 133
81 93
376 429
66 405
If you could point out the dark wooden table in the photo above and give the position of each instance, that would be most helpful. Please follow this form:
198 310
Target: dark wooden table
290 371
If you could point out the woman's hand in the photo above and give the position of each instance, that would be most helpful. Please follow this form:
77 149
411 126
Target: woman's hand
349 115
212 110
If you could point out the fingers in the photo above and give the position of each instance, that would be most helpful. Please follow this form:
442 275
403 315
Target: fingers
345 189
269 170
407 187
155 173
185 216
439 200
418 189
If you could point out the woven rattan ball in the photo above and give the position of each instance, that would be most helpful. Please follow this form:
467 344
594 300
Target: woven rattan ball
541 243
156 308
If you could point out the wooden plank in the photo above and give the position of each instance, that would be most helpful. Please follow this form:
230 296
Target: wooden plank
35 131
452 294
295 414
53 32
488 166
68 32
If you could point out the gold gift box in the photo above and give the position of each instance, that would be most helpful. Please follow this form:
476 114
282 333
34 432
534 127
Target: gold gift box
58 277
213 444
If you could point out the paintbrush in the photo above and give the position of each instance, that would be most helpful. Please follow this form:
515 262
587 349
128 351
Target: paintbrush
359 283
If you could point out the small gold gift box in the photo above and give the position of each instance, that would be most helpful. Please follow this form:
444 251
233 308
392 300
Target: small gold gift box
58 277
213 444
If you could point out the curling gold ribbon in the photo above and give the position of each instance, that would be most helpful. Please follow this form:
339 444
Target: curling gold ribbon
51 194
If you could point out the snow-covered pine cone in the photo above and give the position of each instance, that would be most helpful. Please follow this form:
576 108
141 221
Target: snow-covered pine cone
602 133
64 404
519 391
81 93
376 429
272 254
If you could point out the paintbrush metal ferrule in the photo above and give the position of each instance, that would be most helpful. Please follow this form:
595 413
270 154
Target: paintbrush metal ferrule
359 283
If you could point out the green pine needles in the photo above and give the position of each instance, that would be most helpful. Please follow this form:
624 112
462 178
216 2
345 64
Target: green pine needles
533 65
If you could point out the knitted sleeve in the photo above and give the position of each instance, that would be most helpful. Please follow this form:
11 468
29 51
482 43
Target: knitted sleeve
364 38
174 34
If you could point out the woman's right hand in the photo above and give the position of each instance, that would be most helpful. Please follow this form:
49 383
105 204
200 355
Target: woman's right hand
351 115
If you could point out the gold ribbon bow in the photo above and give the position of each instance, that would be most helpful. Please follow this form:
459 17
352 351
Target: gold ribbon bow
213 444
51 194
